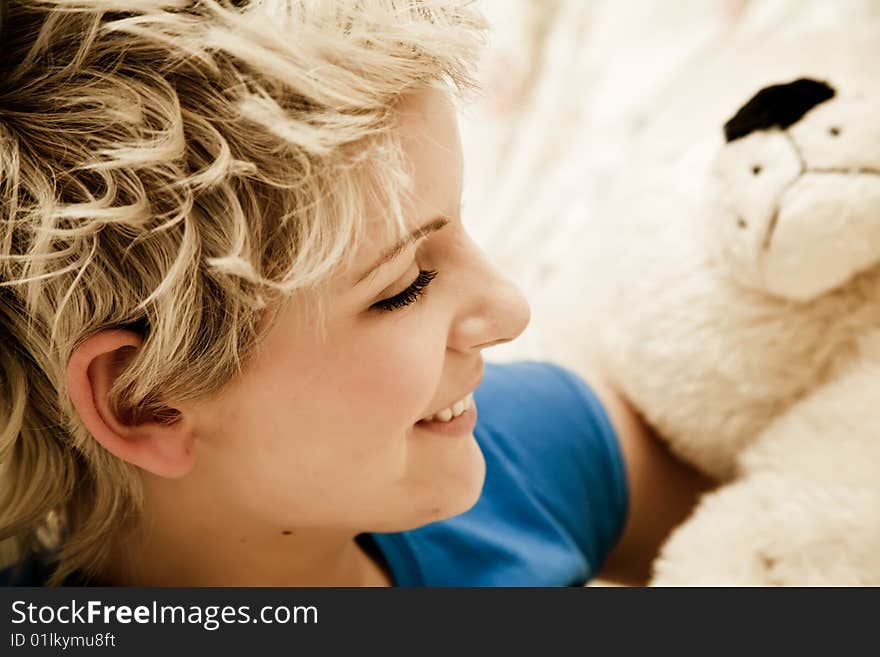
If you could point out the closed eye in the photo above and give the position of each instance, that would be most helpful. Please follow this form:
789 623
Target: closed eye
410 295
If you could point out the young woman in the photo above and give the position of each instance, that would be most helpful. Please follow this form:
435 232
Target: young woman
239 309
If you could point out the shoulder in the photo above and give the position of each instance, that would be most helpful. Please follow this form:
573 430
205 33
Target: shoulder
30 571
36 569
543 415
576 442
548 429
522 395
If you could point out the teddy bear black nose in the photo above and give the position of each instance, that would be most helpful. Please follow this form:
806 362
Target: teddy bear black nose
777 106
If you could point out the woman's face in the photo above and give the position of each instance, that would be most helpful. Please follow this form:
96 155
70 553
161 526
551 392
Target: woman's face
324 433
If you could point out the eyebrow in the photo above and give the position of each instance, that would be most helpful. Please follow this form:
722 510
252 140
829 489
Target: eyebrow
434 225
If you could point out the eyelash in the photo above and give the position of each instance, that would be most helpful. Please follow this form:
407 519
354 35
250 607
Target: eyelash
409 295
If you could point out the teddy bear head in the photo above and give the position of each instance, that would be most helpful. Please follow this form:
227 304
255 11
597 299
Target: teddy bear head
734 271
798 189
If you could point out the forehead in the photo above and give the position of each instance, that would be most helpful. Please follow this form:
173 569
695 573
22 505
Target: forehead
427 127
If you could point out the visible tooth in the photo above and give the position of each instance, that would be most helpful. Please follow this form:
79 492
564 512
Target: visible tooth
455 410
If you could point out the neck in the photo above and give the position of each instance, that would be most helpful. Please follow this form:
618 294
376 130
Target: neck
219 550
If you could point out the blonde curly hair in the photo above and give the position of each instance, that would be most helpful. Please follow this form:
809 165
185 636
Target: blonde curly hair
174 168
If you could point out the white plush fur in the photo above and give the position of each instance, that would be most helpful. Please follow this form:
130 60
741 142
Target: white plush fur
757 359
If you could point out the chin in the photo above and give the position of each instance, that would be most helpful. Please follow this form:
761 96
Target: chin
452 487
458 484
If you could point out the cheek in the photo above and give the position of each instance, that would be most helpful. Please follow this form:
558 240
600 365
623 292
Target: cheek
391 375
361 393
329 422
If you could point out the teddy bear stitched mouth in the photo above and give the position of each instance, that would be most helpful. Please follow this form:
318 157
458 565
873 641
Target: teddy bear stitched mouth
774 219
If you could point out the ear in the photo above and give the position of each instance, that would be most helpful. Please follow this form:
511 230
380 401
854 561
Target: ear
162 448
778 106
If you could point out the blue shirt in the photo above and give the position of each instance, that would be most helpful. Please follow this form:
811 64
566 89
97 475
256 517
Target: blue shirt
553 504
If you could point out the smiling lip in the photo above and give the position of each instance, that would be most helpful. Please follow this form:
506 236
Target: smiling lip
462 425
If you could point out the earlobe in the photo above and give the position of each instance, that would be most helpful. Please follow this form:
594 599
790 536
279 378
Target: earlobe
165 449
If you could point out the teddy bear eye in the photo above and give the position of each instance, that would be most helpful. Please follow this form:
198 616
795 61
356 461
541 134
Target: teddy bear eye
834 131
756 169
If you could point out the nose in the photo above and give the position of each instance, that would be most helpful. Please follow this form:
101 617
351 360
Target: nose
494 309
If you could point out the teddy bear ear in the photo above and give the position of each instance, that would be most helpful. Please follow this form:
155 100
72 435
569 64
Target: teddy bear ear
777 106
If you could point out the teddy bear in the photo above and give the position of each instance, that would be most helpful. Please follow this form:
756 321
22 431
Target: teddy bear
731 292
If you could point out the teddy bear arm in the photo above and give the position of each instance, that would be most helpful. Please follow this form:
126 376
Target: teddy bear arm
766 530
831 436
805 507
